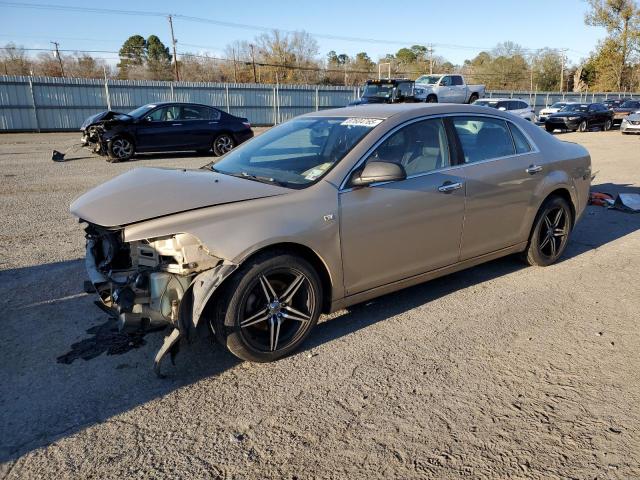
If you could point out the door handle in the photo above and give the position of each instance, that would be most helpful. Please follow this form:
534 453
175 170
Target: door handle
533 169
449 187
211 123
176 124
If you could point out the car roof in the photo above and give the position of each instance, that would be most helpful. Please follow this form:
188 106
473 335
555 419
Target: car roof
160 104
408 110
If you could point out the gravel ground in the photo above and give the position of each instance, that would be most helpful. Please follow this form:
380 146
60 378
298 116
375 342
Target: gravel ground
500 371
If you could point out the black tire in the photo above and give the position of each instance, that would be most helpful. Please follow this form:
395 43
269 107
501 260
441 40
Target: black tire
583 127
432 99
120 149
268 314
473 98
222 144
550 232
549 128
607 125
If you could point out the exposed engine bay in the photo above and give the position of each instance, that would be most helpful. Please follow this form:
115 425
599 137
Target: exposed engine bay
95 127
149 283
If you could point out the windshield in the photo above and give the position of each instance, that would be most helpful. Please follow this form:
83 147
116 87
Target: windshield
630 104
141 111
428 79
296 153
575 108
558 105
378 90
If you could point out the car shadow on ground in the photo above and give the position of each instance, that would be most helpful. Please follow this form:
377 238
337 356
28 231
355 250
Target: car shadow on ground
46 312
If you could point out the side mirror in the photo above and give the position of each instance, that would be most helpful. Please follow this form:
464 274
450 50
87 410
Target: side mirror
378 171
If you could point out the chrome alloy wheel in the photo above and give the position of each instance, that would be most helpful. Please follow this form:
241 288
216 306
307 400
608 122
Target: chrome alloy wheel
223 144
554 232
277 310
122 148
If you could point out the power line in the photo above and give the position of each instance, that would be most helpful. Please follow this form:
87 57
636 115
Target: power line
245 26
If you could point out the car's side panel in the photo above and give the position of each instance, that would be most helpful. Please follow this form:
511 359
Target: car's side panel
500 194
399 229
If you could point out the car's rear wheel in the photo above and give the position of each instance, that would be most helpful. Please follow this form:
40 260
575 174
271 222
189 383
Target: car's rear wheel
120 149
607 125
268 307
473 98
583 126
550 232
222 144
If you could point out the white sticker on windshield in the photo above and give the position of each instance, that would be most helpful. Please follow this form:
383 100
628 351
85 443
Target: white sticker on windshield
362 122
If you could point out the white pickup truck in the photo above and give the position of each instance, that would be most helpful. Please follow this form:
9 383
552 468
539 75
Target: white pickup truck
446 88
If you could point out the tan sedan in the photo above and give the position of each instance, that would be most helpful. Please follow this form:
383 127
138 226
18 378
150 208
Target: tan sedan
327 210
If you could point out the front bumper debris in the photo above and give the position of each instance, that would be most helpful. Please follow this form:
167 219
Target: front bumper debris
151 285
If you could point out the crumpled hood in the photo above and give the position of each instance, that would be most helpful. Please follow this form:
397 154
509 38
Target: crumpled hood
146 193
99 117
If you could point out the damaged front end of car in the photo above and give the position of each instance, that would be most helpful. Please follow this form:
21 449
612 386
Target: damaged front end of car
165 281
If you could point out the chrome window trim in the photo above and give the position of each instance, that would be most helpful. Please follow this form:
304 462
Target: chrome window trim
361 160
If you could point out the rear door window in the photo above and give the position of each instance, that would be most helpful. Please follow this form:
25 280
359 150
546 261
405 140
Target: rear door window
483 138
195 112
457 80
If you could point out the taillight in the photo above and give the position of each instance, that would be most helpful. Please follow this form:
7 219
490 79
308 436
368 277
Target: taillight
246 124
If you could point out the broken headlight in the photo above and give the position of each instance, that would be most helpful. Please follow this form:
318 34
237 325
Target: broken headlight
181 254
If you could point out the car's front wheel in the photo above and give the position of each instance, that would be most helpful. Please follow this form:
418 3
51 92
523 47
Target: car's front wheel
607 125
549 128
222 144
268 307
120 149
550 232
583 126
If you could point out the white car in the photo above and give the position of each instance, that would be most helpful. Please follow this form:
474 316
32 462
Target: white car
631 123
514 106
554 108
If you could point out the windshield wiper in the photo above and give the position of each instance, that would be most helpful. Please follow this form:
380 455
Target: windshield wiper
259 178
251 176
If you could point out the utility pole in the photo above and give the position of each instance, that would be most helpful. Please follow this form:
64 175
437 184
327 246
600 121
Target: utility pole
175 55
430 51
562 70
57 55
253 61
235 66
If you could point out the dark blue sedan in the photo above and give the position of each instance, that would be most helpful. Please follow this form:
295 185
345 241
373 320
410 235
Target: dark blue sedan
161 127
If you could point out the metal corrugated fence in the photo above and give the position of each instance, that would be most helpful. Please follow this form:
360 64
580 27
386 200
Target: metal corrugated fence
50 104
54 104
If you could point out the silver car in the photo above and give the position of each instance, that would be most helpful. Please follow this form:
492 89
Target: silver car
631 123
514 106
325 211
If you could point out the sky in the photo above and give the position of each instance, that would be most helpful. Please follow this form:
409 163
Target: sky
458 29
